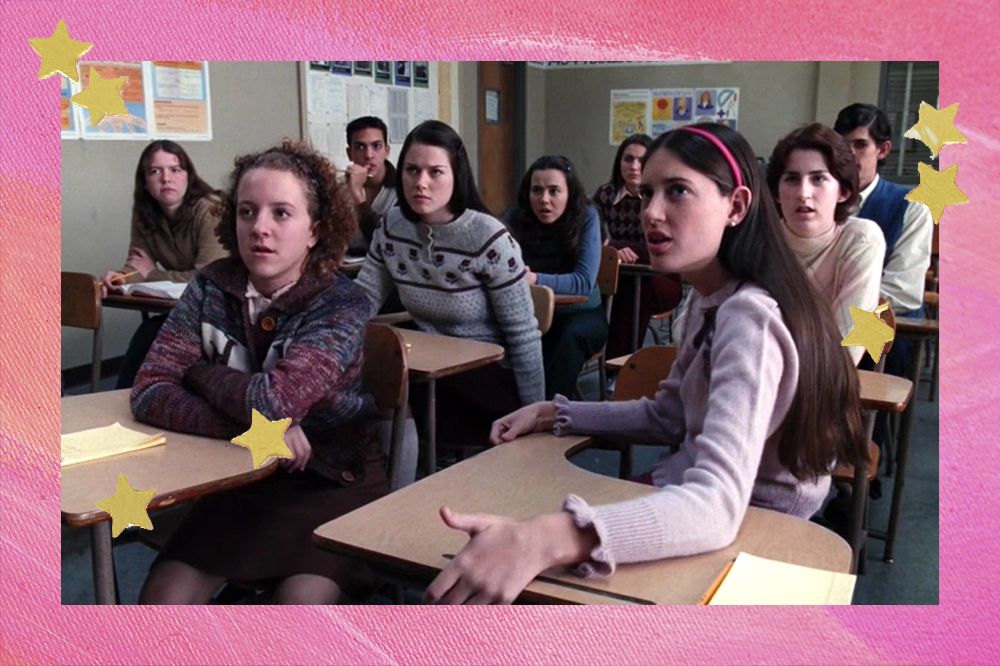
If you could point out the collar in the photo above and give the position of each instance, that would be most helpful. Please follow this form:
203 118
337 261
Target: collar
232 277
865 193
622 194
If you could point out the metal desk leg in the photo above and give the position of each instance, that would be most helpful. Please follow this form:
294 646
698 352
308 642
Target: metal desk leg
104 565
856 534
903 453
635 313
430 465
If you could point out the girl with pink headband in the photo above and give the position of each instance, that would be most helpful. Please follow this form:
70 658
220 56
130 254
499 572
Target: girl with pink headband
761 400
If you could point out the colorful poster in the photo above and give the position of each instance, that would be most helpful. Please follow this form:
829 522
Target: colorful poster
402 69
421 74
727 105
706 102
630 114
70 130
362 68
665 102
181 100
383 71
133 126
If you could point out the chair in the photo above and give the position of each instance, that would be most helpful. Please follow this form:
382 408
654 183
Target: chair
544 300
607 282
386 377
931 299
654 326
81 308
639 377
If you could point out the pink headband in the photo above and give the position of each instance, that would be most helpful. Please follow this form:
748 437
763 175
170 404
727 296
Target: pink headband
722 148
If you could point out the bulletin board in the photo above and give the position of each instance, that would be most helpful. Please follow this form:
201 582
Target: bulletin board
401 93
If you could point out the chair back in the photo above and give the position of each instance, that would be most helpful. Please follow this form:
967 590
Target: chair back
544 300
889 317
643 371
386 377
81 308
607 274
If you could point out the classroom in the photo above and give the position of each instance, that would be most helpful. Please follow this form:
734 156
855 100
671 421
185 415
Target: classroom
506 115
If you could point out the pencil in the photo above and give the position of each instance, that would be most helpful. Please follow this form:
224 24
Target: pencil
123 276
714 587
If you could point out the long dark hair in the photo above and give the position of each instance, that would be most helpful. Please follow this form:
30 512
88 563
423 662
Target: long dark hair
836 154
438 134
526 228
146 211
331 209
616 171
823 424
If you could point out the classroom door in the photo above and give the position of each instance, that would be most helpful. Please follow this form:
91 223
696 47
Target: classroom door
497 143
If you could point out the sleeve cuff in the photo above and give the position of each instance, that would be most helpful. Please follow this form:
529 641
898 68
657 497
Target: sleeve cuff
601 563
564 422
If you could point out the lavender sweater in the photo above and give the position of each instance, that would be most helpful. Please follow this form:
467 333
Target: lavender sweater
727 418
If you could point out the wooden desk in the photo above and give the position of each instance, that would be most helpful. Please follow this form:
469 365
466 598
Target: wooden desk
352 268
185 468
402 534
567 299
637 271
431 357
143 304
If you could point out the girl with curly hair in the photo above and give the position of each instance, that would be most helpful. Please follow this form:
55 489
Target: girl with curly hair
274 327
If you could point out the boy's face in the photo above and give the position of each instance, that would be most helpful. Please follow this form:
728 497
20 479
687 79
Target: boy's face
368 149
867 154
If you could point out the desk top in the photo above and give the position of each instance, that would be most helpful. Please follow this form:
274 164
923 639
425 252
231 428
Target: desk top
530 476
143 303
433 356
184 468
567 299
352 268
638 269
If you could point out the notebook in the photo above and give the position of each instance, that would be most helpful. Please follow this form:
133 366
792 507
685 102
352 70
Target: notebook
759 581
159 289
111 440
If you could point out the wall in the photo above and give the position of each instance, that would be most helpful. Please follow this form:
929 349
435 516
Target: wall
774 98
97 180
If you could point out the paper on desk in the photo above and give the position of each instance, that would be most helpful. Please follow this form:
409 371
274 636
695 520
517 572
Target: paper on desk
104 442
755 580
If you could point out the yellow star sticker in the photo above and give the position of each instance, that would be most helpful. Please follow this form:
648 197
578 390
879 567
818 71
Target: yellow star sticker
936 128
59 53
869 331
937 189
264 438
127 507
103 97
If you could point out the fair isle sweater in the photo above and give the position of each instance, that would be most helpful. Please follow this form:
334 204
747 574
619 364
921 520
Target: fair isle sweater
210 364
465 279
844 264
726 413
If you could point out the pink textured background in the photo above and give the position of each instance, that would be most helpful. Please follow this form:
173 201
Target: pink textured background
34 628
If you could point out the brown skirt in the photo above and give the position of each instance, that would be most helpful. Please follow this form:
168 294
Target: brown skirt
264 531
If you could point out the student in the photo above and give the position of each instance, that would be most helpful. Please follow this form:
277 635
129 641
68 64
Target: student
274 327
459 273
908 226
618 203
812 176
370 177
173 224
761 396
560 236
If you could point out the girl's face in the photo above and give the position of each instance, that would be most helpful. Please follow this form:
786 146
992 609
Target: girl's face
631 166
706 98
274 231
166 181
684 217
428 183
808 194
549 194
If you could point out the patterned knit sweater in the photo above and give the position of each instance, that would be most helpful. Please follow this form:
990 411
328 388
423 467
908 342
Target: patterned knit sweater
465 279
621 219
209 365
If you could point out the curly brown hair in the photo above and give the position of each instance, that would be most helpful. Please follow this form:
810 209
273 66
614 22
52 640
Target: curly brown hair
331 208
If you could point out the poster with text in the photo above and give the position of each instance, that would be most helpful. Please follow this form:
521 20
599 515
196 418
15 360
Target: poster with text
630 114
664 104
181 100
133 126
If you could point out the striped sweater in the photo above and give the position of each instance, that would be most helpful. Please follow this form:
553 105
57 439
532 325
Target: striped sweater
210 365
465 279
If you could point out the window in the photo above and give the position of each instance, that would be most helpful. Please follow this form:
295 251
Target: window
904 86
